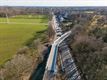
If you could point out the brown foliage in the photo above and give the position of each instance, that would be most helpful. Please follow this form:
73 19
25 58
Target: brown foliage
86 50
15 68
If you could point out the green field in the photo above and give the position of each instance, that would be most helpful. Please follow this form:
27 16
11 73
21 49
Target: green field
26 19
13 36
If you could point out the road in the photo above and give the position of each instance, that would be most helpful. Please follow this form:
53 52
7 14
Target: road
67 63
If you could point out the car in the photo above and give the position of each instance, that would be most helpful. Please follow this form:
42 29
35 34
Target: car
58 36
59 33
58 28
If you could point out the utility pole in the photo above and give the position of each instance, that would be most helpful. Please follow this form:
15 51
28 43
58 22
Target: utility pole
7 18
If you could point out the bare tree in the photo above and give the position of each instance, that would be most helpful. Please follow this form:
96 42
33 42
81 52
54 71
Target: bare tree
15 68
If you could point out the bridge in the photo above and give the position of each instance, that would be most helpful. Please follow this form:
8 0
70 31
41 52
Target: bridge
68 66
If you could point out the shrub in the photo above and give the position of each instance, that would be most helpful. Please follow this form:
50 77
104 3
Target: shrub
87 52
23 50
105 38
15 68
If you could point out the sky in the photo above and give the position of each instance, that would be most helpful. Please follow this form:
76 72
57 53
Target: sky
53 2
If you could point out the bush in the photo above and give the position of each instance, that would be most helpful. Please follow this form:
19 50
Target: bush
86 44
87 52
23 50
15 68
105 38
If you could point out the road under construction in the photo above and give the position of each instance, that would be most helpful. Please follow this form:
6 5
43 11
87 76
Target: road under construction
68 66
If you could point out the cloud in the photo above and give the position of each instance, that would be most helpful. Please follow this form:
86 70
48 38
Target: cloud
53 2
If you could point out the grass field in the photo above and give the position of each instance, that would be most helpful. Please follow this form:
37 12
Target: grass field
26 19
13 36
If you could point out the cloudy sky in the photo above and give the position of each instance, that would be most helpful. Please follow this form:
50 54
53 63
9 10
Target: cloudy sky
53 2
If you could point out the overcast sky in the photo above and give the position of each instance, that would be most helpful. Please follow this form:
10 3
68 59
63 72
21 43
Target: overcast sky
53 2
